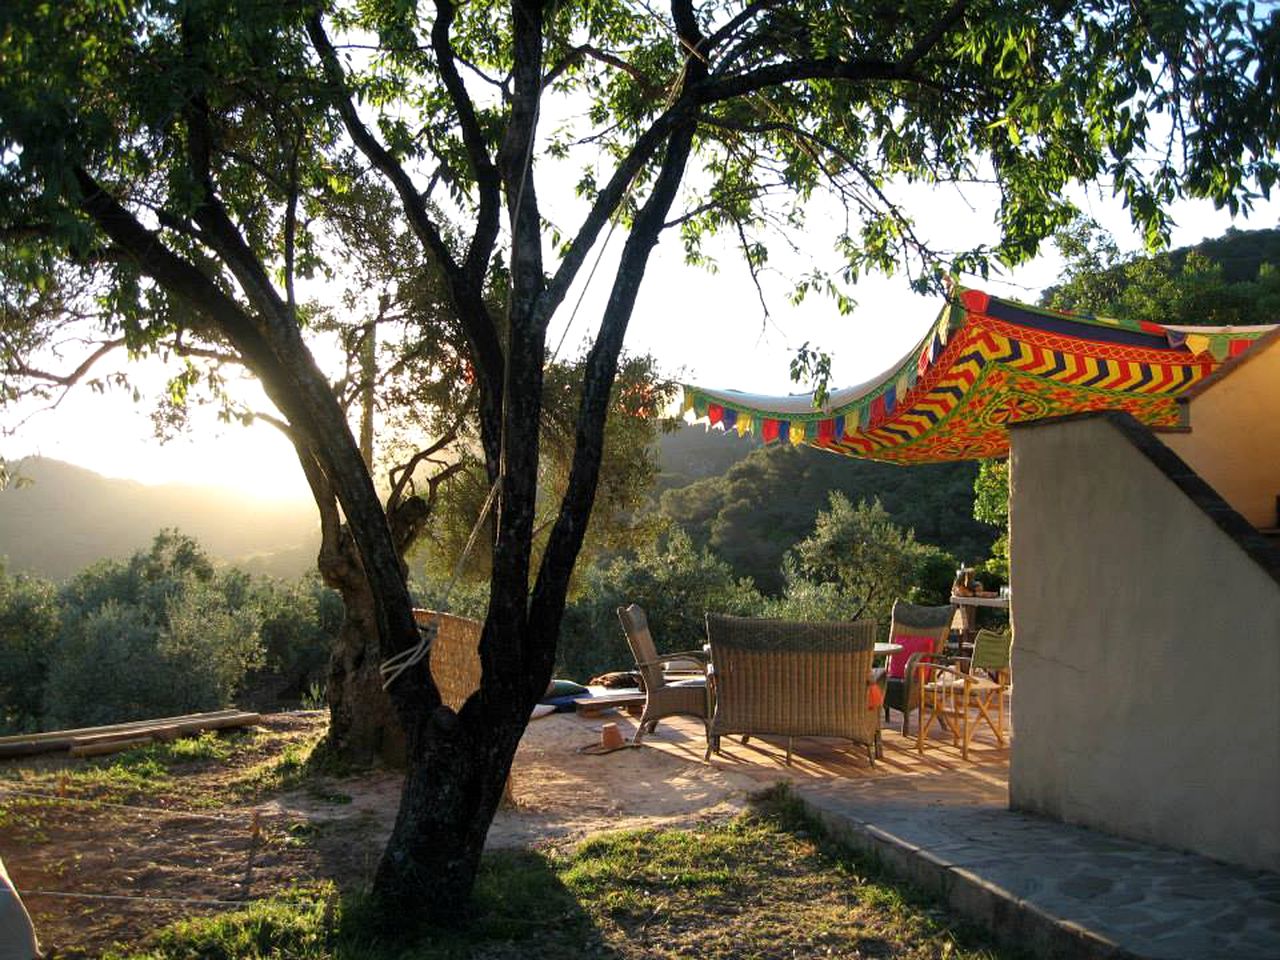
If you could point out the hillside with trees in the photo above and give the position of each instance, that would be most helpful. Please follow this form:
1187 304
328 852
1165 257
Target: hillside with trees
761 505
1226 280
68 517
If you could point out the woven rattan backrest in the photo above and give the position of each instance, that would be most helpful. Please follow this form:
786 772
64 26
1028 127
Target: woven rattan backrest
911 619
788 677
455 656
636 626
991 650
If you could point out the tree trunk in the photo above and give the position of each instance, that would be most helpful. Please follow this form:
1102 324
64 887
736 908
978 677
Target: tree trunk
455 781
363 726
363 723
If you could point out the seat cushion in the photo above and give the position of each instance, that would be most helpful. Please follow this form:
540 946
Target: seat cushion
910 643
563 688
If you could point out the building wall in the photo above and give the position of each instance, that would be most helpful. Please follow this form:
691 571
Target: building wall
1234 443
1147 651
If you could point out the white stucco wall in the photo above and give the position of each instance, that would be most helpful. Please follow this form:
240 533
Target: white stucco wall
1234 443
1146 655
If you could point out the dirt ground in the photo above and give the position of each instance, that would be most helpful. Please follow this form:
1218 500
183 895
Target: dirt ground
93 874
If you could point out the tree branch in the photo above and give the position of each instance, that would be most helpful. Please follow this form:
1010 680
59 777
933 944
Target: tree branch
745 14
405 470
605 205
612 59
565 540
721 88
19 368
468 300
950 17
486 174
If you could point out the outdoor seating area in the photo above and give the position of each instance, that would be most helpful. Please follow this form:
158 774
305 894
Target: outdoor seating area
764 691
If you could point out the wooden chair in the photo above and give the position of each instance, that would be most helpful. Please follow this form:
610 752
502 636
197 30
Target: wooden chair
922 631
951 692
664 696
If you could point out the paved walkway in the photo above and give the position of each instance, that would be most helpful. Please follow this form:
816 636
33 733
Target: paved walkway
1057 891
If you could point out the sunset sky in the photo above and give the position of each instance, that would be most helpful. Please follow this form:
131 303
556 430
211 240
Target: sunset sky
705 328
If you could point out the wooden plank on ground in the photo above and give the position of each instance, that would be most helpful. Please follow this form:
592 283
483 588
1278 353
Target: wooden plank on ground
111 746
106 728
171 731
56 740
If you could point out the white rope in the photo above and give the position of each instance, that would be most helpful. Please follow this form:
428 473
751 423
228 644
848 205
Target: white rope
117 897
393 667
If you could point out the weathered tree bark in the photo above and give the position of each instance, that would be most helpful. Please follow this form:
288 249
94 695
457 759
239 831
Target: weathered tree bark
363 725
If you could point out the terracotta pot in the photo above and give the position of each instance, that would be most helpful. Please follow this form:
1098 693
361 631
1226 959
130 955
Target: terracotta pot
611 736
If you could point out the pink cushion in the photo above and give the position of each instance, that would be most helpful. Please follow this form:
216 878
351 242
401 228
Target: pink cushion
910 644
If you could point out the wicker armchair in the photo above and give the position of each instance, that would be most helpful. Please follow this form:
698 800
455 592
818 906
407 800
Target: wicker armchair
793 679
909 623
663 697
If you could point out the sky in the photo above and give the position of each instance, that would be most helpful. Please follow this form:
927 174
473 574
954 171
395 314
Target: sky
705 328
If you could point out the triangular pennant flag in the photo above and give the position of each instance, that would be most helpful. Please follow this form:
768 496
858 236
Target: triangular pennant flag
1197 343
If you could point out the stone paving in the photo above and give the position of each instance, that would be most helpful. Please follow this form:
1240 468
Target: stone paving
1056 890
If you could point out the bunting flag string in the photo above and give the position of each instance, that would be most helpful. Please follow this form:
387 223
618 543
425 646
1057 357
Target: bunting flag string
985 364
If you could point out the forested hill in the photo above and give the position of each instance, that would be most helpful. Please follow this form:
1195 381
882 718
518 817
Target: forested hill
69 517
750 504
1231 279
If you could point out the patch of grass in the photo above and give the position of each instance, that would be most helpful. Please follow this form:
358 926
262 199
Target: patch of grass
23 819
287 770
768 884
194 772
300 926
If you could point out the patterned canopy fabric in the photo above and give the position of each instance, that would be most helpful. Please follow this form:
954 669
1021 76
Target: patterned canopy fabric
985 364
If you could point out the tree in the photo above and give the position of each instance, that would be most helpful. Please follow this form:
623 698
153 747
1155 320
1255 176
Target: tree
870 559
1233 279
161 634
180 158
28 627
754 512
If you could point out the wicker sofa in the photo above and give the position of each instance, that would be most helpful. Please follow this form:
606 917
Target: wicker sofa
792 679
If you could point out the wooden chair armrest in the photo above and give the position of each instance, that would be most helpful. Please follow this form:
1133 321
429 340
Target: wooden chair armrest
935 667
679 655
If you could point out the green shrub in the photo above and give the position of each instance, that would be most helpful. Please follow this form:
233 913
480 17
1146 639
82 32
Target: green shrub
675 584
159 634
29 619
300 621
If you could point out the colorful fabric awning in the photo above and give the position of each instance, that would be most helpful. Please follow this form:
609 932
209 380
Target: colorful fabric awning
985 364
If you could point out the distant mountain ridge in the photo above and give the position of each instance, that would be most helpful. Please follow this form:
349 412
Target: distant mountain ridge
69 517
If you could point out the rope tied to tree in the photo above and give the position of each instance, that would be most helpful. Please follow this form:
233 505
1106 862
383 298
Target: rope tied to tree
394 666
